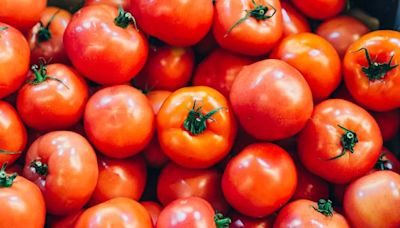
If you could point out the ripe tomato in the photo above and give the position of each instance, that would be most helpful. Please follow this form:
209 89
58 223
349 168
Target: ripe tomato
387 161
125 4
21 202
340 142
341 32
104 45
154 209
374 201
259 180
66 95
271 111
315 58
119 121
117 212
46 37
307 213
320 9
177 182
293 21
248 27
370 70
13 135
14 49
67 221
219 69
63 165
21 14
192 118
389 123
242 221
184 23
127 178
167 68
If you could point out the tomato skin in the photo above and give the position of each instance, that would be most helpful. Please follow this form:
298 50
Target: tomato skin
219 69
389 123
14 49
64 103
341 32
293 21
115 3
242 221
117 212
71 174
120 53
382 207
66 221
251 37
376 95
262 118
167 68
154 209
315 58
130 116
177 182
185 148
320 9
244 178
187 21
192 212
320 141
301 213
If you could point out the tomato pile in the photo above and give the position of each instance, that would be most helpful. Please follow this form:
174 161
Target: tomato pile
201 113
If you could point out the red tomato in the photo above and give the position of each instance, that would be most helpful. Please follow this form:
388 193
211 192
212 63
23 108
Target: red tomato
315 58
177 182
119 121
387 161
374 201
219 69
167 68
13 137
259 180
21 202
22 14
389 123
117 212
370 70
320 9
66 95
341 32
154 209
280 101
293 21
184 23
248 27
242 221
119 178
116 3
67 221
63 165
307 213
340 142
104 45
14 59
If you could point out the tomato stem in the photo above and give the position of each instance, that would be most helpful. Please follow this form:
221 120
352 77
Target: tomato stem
260 12
376 71
196 122
221 221
6 180
348 140
9 152
41 76
44 33
39 167
124 19
383 164
324 207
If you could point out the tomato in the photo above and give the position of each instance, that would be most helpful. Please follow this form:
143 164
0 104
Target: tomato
63 165
46 37
340 142
66 95
374 201
21 202
177 182
13 136
184 23
248 27
167 68
127 178
320 9
116 3
307 213
387 161
219 69
117 212
21 14
315 58
370 70
14 49
242 221
104 45
280 101
119 121
191 119
66 221
341 32
389 123
293 21
154 209
259 180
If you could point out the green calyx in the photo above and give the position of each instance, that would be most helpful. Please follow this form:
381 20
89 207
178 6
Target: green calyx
44 33
124 19
383 164
324 207
9 152
3 28
348 140
221 221
259 12
39 167
376 71
41 76
6 180
196 122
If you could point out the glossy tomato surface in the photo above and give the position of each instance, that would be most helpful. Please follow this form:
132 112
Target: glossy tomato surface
293 21
154 209
320 9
